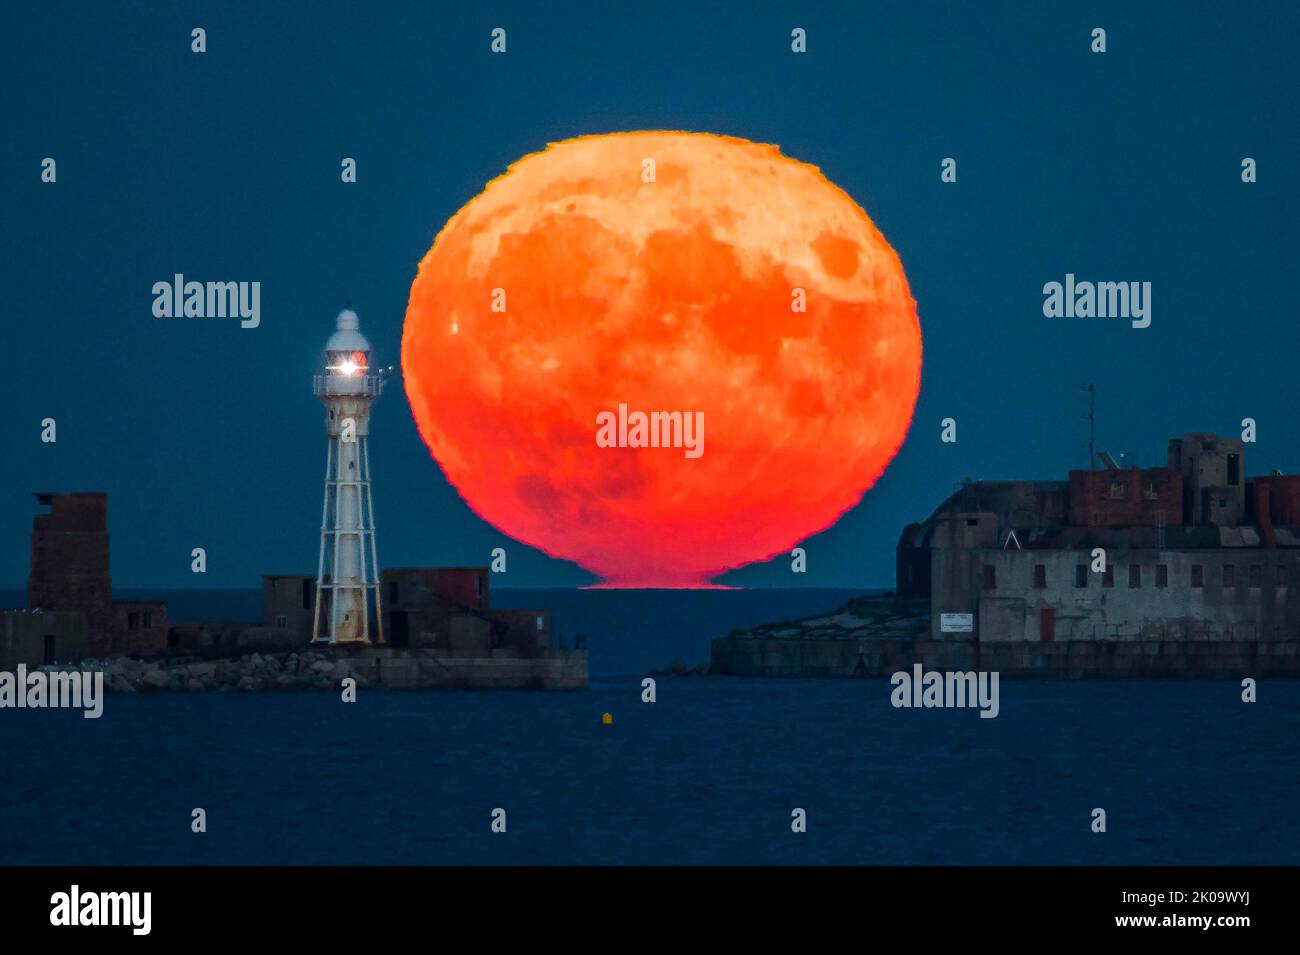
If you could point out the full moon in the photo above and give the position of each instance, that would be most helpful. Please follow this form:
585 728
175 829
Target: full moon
661 272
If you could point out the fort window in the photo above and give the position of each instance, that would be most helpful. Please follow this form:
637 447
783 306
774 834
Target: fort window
1081 575
1229 575
49 648
1134 576
1256 575
540 622
306 594
1162 575
282 621
990 577
1040 577
1198 575
478 586
1118 491
972 521
148 620
133 621
1108 576
392 593
1234 469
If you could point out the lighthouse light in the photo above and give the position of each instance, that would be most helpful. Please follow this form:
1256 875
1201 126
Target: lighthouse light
348 363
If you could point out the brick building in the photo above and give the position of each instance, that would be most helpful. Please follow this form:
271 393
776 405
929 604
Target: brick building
448 608
71 614
441 608
69 568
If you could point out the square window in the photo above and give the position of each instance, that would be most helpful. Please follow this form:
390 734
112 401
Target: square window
1256 576
990 577
281 621
1134 576
1162 575
1081 575
1040 577
1198 576
1229 575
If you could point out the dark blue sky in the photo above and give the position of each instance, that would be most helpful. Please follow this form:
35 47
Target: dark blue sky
225 166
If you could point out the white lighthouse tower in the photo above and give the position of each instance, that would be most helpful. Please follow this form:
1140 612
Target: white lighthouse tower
347 579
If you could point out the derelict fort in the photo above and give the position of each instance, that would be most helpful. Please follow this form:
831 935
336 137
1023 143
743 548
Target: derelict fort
402 627
1188 569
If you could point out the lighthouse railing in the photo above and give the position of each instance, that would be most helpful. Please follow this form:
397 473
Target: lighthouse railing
363 385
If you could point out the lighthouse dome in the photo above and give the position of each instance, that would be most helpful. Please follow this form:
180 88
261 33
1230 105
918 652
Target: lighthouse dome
348 337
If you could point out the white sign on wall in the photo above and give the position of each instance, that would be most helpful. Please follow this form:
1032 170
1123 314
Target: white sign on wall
957 623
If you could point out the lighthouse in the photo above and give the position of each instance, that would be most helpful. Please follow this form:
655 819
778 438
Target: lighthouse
347 577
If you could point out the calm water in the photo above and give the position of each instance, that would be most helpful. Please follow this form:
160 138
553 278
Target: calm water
708 774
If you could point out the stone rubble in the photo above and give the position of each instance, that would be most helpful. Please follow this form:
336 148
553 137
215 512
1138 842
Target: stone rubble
254 673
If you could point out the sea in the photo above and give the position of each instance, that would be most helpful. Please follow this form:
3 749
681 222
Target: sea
714 771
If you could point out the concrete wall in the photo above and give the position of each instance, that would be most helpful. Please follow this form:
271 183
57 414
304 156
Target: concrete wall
469 636
140 626
958 542
289 604
1213 470
523 634
423 669
30 638
1075 659
414 587
1108 608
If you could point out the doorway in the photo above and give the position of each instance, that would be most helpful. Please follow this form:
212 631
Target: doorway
399 634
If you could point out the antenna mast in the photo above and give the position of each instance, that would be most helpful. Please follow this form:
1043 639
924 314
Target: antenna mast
1092 423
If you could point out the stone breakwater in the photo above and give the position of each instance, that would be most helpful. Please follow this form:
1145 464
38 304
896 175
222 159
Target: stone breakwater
256 672
327 669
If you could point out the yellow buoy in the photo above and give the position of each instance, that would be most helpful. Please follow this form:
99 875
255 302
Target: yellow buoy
608 719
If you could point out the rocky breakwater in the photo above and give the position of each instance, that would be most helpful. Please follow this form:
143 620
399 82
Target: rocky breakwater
868 636
326 669
255 672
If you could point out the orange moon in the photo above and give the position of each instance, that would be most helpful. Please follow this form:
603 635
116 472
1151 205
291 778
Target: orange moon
664 272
